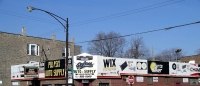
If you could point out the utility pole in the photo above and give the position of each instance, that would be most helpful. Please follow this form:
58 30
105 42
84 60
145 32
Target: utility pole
66 59
153 58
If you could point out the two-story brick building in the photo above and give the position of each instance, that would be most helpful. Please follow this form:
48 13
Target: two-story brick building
20 48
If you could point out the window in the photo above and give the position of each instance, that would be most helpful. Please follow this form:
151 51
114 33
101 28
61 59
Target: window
103 84
64 51
194 81
166 80
33 49
149 80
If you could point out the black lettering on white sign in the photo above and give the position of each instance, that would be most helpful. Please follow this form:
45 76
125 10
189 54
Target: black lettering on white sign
84 64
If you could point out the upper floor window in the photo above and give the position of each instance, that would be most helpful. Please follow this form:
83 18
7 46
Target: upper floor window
64 52
33 49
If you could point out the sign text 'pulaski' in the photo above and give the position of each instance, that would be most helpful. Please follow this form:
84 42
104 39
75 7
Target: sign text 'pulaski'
55 68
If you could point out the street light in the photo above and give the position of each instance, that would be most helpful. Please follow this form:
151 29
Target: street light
30 8
177 52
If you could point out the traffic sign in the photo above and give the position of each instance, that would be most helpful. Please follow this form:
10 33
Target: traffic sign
130 79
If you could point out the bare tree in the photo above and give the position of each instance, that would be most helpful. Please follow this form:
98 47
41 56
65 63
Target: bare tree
110 44
137 49
172 54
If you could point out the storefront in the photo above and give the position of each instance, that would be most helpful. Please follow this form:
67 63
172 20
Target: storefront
93 70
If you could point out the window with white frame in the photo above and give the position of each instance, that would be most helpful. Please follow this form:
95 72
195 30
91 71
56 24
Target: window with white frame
33 49
64 52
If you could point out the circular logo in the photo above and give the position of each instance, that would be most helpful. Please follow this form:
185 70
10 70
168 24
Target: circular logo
139 65
144 66
153 66
174 66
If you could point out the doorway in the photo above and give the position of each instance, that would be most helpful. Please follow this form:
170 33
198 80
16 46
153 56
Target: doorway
85 84
178 84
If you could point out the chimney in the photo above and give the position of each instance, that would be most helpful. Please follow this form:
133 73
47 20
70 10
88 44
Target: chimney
53 37
23 31
72 40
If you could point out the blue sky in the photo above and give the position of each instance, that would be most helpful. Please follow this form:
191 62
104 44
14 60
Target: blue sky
89 17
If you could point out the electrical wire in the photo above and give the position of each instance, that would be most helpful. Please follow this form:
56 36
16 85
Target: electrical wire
146 8
138 10
168 28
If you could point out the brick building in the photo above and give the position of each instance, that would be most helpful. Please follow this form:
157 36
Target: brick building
20 48
195 58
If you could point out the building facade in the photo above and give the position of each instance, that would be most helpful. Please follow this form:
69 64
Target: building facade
20 49
94 70
195 58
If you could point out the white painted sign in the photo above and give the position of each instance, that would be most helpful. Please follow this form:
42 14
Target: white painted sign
194 70
16 83
85 66
139 79
70 77
185 80
110 66
155 79
177 68
17 71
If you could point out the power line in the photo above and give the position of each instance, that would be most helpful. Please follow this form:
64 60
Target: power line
157 5
168 28
138 10
146 8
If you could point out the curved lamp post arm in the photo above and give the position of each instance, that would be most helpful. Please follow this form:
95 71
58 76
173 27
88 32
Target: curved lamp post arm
66 27
30 8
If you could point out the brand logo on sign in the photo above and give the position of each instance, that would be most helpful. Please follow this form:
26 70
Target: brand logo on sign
109 64
84 64
141 65
156 67
174 66
130 65
180 68
195 69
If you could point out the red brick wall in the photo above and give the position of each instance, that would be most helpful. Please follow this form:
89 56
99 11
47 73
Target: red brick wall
119 82
52 82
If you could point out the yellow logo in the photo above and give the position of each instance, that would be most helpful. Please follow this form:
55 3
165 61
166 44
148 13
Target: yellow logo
156 67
